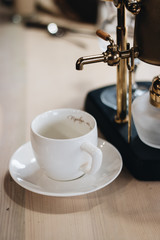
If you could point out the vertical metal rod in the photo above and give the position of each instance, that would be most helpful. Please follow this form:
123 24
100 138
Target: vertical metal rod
129 105
122 67
130 68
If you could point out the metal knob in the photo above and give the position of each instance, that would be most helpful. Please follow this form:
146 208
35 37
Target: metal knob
105 36
155 92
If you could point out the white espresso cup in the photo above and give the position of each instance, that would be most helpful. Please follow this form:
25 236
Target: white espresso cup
64 143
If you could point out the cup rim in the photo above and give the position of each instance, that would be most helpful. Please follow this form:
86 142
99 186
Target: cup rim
58 110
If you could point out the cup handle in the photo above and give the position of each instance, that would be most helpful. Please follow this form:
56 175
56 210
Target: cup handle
96 155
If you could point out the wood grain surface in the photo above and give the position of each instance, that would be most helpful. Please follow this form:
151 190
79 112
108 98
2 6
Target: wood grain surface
37 73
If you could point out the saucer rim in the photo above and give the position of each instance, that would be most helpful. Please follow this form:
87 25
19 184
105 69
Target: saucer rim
66 194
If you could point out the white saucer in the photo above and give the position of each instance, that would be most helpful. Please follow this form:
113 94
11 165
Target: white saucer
26 172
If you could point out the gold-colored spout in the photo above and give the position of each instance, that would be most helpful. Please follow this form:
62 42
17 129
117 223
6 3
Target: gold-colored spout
91 59
111 56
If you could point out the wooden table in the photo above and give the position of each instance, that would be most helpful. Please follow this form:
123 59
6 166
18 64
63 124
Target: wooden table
37 73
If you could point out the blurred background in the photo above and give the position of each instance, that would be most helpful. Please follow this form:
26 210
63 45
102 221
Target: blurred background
79 11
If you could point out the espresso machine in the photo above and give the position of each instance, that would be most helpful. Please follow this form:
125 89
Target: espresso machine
116 124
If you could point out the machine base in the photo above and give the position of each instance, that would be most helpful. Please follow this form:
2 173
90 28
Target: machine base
142 161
